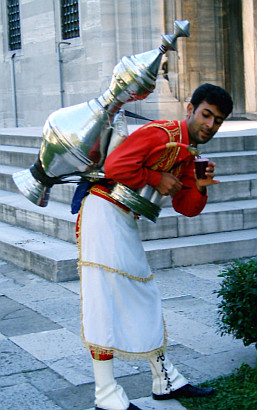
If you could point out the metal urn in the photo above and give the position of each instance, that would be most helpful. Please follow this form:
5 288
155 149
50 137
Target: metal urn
76 139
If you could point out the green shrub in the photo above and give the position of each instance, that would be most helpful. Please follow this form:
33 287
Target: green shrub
237 311
234 392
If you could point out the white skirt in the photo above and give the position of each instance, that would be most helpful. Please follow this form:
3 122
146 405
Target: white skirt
121 304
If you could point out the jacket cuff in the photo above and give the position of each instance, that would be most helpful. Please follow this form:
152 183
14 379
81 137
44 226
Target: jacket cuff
153 177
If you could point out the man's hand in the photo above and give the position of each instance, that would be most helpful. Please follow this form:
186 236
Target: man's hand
169 184
201 184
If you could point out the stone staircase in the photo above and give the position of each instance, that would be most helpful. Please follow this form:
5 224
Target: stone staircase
42 240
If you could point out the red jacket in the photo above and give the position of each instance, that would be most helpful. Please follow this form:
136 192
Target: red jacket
133 164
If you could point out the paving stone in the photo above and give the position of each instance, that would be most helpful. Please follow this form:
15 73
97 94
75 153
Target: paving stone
25 397
58 309
225 362
182 283
52 368
15 360
46 380
193 375
73 325
191 308
37 290
139 385
209 271
19 275
3 282
139 365
77 397
2 337
15 319
78 369
146 403
73 286
128 368
50 345
82 397
196 335
14 379
179 354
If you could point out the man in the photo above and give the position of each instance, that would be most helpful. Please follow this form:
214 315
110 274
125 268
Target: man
121 305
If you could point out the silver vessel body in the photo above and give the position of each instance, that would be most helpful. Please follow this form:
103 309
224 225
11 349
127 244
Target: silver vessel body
76 138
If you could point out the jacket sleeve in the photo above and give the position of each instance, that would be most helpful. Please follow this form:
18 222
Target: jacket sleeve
189 201
127 163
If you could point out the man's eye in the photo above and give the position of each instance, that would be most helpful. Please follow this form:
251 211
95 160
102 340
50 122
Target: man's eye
205 115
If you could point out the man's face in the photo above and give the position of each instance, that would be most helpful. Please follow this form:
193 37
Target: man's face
203 123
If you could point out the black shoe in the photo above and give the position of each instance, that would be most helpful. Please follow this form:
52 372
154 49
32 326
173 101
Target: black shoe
186 391
131 407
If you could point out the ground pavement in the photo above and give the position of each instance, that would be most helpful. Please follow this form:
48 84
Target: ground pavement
43 362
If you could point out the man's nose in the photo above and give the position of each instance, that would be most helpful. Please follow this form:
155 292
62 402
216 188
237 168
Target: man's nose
210 122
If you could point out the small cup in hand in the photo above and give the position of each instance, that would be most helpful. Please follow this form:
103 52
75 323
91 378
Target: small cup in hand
200 167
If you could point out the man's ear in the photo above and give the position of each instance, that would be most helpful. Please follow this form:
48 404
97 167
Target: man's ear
190 110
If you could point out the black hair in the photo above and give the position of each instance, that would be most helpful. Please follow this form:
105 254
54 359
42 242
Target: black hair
213 95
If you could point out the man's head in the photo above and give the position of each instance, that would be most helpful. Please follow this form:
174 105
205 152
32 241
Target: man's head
214 95
208 108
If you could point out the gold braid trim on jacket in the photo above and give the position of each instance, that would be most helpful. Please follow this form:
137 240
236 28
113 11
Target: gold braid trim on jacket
168 158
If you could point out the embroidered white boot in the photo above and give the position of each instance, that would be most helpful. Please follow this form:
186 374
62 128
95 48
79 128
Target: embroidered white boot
165 376
108 394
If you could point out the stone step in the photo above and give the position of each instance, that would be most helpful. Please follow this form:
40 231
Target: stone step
50 258
199 249
22 137
43 239
6 181
241 140
231 187
236 162
18 156
216 217
61 193
227 139
56 260
56 219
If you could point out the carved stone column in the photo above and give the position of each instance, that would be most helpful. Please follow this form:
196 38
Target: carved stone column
249 55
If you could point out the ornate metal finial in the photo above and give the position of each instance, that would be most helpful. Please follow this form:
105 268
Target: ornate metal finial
169 41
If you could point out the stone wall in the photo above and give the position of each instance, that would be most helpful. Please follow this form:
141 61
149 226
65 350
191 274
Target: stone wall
109 29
